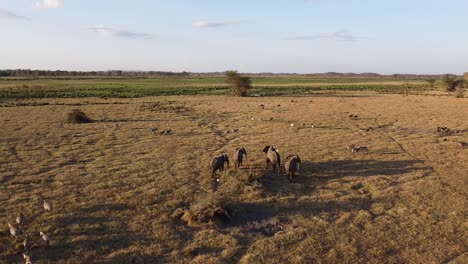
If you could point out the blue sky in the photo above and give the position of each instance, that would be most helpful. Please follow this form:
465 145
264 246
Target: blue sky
304 36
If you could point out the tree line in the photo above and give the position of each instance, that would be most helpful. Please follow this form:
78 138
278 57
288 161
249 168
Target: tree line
60 73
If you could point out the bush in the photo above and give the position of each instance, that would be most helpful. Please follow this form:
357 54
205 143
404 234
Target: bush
459 93
78 117
431 82
239 85
451 83
208 209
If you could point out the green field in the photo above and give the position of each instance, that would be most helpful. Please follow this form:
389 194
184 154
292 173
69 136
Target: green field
75 87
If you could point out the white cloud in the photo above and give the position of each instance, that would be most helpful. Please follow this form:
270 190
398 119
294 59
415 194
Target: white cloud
340 35
5 14
49 3
207 24
112 32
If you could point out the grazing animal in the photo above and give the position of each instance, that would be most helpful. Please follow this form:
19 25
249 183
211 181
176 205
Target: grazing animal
14 231
273 157
232 131
47 206
239 156
218 164
20 219
45 239
443 129
463 144
292 165
27 259
351 146
359 149
26 244
154 130
166 132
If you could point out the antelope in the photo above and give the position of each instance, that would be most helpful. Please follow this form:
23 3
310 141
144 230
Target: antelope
359 149
20 219
27 259
14 231
45 239
47 206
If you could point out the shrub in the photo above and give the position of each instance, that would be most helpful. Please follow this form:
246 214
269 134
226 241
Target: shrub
208 209
239 85
459 93
431 82
451 83
77 117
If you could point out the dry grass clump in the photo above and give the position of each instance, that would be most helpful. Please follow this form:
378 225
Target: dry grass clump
78 117
209 209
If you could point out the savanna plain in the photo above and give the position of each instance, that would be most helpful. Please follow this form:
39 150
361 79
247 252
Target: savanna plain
122 194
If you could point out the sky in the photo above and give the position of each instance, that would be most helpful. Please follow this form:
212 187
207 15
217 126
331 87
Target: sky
293 36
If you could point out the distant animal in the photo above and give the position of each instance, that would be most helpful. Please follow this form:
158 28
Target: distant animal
232 130
166 132
273 157
354 117
27 259
218 164
154 130
443 129
239 156
359 149
14 231
26 244
20 219
292 165
47 206
44 238
463 144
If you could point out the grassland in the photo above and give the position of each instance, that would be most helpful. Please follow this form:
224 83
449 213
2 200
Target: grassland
119 192
164 86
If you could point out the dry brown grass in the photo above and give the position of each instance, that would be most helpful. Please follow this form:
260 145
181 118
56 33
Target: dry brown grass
119 192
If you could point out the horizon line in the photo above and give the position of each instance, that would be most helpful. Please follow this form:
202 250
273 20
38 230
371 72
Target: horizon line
247 73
